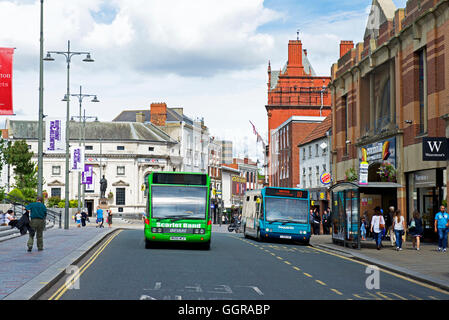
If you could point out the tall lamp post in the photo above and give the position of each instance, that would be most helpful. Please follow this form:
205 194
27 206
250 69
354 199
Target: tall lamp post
68 55
40 133
80 97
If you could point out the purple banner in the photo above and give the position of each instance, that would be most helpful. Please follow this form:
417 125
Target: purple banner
87 174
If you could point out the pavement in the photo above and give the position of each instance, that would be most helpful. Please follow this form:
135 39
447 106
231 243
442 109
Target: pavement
426 265
25 275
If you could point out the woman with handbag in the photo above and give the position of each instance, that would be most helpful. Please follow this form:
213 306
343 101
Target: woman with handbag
377 225
398 227
416 229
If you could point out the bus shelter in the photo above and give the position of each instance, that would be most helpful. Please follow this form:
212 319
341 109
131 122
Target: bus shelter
349 200
345 198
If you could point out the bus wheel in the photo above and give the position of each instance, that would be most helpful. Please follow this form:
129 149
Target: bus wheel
244 232
148 244
206 245
259 238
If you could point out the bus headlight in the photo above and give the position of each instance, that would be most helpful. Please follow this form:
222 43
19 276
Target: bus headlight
153 230
202 231
159 230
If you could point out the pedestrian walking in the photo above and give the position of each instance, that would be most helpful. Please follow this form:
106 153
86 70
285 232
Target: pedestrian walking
78 219
100 219
377 226
441 227
316 222
109 218
38 214
389 225
416 229
312 229
398 228
325 220
84 218
363 229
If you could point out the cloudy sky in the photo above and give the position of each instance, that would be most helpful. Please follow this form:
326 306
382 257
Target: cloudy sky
208 56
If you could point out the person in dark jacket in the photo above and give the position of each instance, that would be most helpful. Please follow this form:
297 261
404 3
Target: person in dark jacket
37 222
316 222
416 229
83 218
23 224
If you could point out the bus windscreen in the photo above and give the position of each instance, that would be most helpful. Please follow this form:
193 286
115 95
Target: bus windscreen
286 210
178 202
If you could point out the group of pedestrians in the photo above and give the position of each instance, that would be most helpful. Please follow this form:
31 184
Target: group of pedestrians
81 218
394 223
316 221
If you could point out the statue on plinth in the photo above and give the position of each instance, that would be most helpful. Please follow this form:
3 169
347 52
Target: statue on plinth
103 187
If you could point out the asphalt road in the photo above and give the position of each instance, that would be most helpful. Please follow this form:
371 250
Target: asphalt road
234 268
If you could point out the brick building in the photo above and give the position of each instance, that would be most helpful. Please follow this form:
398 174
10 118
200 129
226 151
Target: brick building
294 91
389 94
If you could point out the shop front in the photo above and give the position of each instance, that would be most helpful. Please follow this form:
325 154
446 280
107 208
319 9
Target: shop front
426 192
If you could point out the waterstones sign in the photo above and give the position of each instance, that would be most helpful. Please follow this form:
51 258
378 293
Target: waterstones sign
434 149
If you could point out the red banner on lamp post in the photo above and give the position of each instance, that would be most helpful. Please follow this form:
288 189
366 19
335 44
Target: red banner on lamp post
6 57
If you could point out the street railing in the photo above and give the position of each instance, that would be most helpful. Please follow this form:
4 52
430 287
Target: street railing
19 209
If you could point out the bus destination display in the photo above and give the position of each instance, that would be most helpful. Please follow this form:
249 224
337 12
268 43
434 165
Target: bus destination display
287 193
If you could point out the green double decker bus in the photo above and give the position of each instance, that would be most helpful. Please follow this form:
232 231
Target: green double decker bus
178 208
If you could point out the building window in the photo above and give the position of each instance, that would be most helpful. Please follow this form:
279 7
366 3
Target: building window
56 170
422 91
345 122
310 151
152 149
120 196
56 192
120 148
303 153
89 147
120 170
316 150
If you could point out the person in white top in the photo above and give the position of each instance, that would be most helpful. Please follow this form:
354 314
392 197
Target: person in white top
398 227
377 225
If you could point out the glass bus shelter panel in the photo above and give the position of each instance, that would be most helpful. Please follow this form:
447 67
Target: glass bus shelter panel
352 215
338 216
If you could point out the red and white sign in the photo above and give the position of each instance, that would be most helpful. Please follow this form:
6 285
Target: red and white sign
6 57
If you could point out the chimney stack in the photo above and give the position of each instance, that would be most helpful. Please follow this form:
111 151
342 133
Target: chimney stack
295 66
345 46
140 117
158 113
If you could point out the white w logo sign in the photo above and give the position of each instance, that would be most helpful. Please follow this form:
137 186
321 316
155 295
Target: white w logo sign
434 145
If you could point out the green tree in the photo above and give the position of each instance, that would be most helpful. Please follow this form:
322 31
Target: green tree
19 157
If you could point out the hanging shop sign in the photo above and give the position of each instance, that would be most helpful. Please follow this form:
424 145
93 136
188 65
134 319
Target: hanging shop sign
326 178
434 149
363 173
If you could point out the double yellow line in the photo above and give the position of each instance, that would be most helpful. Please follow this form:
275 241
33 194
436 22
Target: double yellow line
73 278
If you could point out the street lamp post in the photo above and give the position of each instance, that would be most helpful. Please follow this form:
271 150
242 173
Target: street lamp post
80 97
40 146
68 55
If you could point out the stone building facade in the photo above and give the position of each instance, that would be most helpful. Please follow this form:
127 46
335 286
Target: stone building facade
389 95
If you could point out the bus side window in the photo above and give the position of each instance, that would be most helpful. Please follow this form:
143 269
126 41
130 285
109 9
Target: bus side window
261 216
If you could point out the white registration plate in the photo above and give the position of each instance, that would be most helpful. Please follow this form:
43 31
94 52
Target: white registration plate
285 237
178 238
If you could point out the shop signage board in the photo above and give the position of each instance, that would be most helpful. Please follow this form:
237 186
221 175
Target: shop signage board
426 179
363 173
434 149
379 152
326 178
